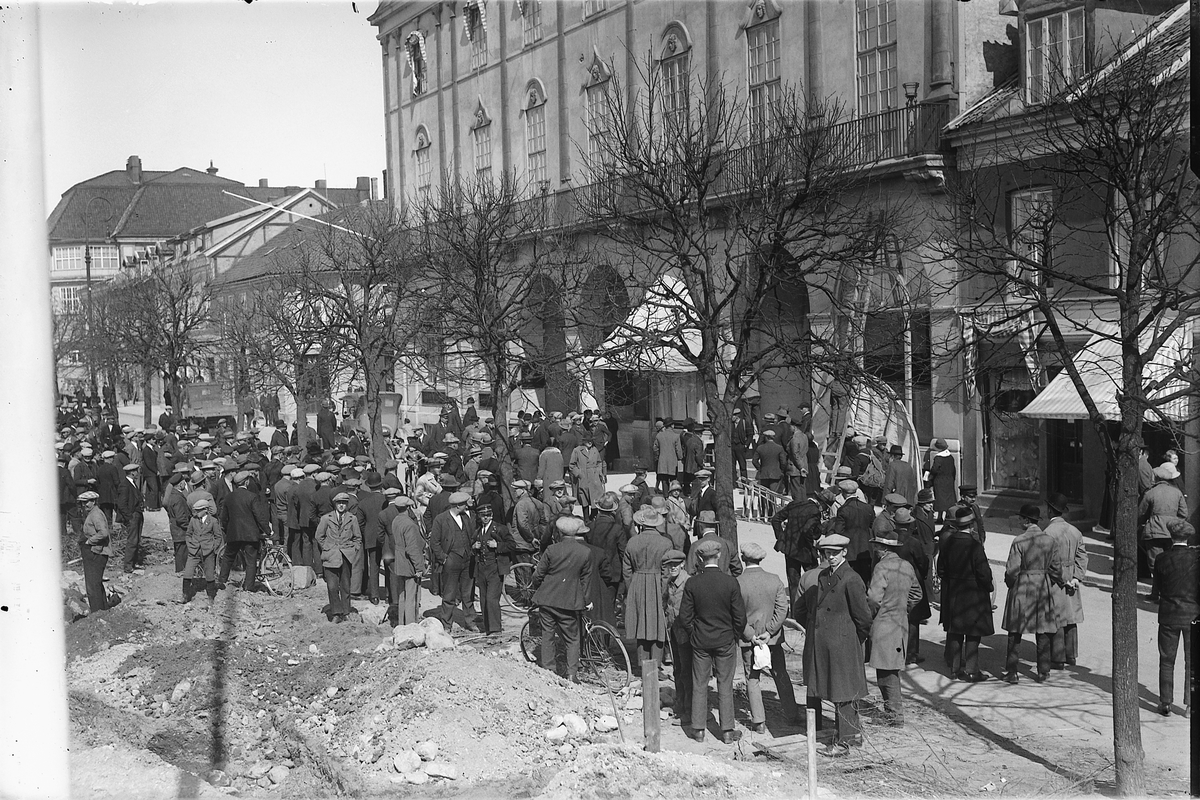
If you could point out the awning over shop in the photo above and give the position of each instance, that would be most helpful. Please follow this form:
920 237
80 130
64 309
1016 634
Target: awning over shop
1099 365
644 340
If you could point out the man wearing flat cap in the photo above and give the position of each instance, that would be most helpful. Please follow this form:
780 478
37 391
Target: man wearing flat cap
450 541
770 461
129 510
713 614
404 553
95 548
709 531
244 518
562 583
108 482
832 608
204 537
703 497
894 591
797 527
590 473
767 606
855 519
340 541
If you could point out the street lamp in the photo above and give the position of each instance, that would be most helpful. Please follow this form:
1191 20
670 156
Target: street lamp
98 208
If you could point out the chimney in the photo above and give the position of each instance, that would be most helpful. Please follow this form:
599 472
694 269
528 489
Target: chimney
133 169
363 187
262 183
374 188
385 184
320 185
211 169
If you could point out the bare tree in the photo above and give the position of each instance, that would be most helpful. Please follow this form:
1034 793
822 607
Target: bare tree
739 223
1106 245
499 275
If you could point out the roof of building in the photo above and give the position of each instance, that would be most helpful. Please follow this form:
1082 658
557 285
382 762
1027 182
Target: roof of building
1161 50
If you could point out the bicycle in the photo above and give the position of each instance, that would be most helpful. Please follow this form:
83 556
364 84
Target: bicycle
603 659
275 569
518 589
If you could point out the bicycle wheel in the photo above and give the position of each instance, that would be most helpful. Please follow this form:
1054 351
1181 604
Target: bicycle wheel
518 586
276 572
603 660
531 643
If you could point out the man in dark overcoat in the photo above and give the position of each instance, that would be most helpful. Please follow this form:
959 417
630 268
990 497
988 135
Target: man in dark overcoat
130 507
244 520
966 606
855 520
562 584
832 608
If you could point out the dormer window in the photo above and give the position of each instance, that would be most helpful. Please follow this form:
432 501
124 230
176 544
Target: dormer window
1055 54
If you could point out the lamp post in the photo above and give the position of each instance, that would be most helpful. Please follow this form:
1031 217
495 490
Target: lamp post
92 211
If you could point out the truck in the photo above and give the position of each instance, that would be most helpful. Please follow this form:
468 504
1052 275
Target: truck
205 404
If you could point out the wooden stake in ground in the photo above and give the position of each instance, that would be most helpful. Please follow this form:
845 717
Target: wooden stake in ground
810 725
650 716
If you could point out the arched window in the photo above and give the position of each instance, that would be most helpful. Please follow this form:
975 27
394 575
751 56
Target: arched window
481 131
674 63
535 137
414 48
598 120
424 164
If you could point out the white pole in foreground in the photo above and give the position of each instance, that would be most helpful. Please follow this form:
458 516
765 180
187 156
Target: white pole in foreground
33 692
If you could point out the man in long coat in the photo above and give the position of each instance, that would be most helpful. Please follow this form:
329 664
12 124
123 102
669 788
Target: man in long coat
370 503
668 452
608 534
966 606
450 540
900 477
855 520
587 466
129 508
404 553
1030 574
894 590
562 581
1068 608
244 519
327 424
832 608
340 542
641 569
766 601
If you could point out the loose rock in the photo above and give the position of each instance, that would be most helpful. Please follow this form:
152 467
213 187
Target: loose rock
558 734
575 724
279 773
441 769
606 724
406 761
217 778
405 637
427 751
181 690
439 640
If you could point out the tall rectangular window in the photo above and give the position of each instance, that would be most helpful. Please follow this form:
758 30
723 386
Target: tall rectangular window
68 299
531 22
875 28
1031 216
535 146
483 152
591 7
675 89
766 93
1055 54
597 124
478 35
424 173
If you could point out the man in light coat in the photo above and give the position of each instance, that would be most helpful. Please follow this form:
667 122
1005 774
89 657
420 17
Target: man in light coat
766 601
900 477
1073 559
340 542
587 466
668 452
94 546
1162 503
894 591
1032 572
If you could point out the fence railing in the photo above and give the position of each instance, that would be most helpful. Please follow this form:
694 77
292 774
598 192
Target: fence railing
759 503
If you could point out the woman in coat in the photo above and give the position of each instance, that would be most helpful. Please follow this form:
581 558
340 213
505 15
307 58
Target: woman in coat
641 569
894 590
942 475
1031 572
340 541
94 547
204 539
967 586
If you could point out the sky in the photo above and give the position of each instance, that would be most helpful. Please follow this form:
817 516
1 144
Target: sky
280 89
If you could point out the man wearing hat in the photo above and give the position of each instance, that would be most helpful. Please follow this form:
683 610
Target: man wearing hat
610 535
797 527
526 459
204 537
302 509
967 586
675 577
703 497
371 503
796 453
179 513
244 519
327 424
450 541
770 461
108 482
1162 503
894 591
149 473
1073 559
440 501
129 508
561 582
641 569
526 518
709 531
590 473
766 601
885 520
1032 572
900 477
281 494
941 474
714 616
340 541
1176 579
855 520
968 494
95 549
551 466
668 452
492 547
693 455
404 553
832 608
741 435
279 437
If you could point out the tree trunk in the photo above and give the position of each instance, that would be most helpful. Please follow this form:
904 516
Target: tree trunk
301 419
1127 724
719 422
147 397
373 380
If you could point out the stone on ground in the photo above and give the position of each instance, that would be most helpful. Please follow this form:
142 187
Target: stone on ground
439 639
405 637
441 769
406 761
427 751
278 773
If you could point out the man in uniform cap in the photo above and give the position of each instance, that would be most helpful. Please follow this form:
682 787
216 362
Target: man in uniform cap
766 601
714 615
561 582
450 540
967 494
832 608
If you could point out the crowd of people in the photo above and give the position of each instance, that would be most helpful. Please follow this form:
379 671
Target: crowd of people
866 558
